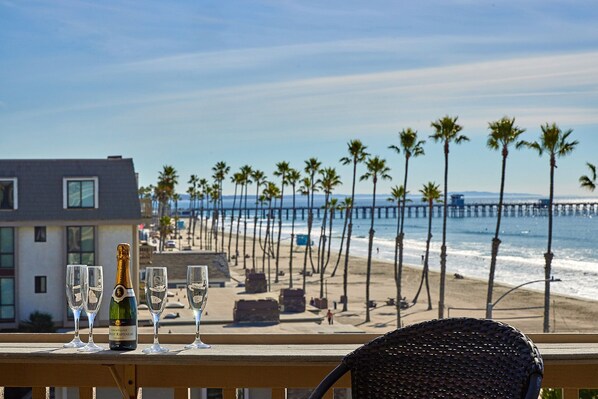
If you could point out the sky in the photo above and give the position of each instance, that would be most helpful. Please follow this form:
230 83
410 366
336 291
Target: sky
191 83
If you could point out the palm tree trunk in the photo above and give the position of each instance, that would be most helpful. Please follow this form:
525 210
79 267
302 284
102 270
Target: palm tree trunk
292 241
549 255
309 216
443 247
426 264
232 221
257 192
268 233
350 230
245 230
279 231
340 248
400 237
201 210
396 267
496 240
322 247
369 264
223 212
239 225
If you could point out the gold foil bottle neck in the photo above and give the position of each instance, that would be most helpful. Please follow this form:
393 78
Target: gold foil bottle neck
123 251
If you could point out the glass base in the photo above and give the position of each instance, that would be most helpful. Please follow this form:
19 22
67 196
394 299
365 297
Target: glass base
75 343
197 345
155 348
91 347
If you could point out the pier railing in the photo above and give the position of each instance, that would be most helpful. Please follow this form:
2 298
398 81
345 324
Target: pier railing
482 209
276 362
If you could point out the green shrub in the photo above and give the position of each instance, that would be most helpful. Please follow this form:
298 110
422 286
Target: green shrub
38 322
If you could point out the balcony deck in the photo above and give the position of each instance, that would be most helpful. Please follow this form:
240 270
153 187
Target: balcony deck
235 361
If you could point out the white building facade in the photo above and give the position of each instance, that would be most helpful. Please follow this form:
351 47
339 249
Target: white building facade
59 212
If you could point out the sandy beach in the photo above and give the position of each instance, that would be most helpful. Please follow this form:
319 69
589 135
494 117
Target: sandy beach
464 297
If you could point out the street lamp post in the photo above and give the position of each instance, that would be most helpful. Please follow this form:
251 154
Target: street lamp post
490 306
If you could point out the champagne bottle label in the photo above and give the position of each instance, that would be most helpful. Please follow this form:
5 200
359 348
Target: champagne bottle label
122 330
120 293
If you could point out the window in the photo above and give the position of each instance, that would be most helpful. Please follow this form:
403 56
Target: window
7 298
80 193
7 280
7 248
80 245
40 284
8 193
40 233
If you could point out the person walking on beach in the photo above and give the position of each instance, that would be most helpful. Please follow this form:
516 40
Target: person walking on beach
330 317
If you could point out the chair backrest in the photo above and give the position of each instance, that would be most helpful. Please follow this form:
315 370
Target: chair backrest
448 358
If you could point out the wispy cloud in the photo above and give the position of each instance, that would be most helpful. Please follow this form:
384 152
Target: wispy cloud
555 85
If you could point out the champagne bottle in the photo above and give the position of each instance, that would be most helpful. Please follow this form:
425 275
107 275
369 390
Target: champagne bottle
123 305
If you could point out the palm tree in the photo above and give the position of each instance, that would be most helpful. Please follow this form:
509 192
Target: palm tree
282 170
215 194
412 147
258 177
446 131
203 186
304 190
292 178
312 166
192 191
503 133
554 142
430 193
271 192
346 207
357 155
397 195
220 170
244 173
589 182
329 181
237 179
167 180
176 197
246 170
376 169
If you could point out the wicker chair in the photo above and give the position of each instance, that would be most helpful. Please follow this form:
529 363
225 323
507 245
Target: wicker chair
450 358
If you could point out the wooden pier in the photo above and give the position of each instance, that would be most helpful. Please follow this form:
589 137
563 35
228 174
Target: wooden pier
515 209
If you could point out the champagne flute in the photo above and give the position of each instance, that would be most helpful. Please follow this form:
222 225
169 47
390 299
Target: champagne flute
197 294
92 299
156 285
75 285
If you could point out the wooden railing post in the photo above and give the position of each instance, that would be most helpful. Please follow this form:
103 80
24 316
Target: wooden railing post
279 393
181 393
86 393
570 393
229 393
40 393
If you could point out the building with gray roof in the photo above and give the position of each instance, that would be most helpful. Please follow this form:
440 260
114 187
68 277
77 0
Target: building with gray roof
55 212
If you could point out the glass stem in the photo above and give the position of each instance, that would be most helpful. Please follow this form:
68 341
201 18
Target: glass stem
77 316
156 322
91 317
197 321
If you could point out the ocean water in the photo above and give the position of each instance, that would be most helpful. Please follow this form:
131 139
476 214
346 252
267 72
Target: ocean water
521 253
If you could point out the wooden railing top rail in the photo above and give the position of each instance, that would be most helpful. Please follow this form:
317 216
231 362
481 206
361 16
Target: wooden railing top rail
234 361
266 339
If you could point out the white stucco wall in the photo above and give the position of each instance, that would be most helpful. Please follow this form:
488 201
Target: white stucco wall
40 259
49 259
107 239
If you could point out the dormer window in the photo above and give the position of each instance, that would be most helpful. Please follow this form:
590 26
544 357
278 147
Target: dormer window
80 193
8 193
